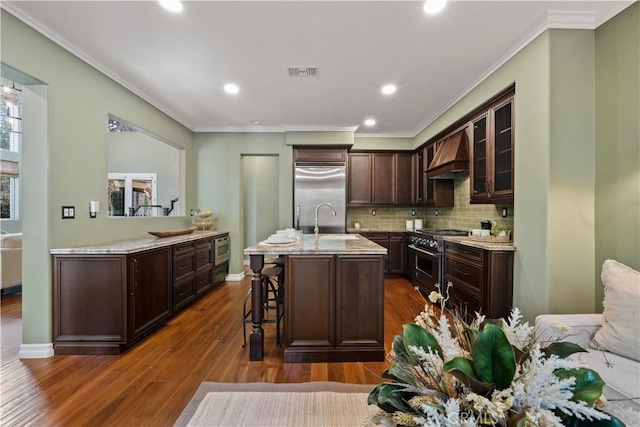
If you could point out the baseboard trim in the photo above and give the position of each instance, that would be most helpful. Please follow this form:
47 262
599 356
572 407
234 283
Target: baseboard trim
35 351
234 277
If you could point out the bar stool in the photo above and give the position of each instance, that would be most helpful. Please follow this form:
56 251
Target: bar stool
273 297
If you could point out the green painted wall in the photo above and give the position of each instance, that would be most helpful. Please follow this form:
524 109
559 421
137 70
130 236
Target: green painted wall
530 71
617 165
570 209
74 146
218 161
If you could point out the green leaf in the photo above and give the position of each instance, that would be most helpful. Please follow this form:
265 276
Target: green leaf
398 349
562 349
463 370
588 386
396 373
391 396
493 357
574 421
418 336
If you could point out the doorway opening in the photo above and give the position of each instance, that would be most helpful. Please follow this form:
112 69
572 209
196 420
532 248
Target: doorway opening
260 197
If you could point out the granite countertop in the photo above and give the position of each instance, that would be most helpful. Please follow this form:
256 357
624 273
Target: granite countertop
132 246
491 246
339 244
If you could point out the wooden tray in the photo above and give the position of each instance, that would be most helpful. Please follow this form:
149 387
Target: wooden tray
170 233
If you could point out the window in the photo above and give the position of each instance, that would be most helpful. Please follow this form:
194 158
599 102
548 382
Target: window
10 143
133 194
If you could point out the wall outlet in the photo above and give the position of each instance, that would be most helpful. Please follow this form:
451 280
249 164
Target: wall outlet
413 212
505 212
373 212
436 212
191 212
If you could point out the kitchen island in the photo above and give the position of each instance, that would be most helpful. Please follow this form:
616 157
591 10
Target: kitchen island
334 299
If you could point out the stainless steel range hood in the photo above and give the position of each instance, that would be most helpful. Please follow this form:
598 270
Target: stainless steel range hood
452 156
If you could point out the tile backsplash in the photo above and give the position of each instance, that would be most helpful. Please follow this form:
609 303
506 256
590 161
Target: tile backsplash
463 215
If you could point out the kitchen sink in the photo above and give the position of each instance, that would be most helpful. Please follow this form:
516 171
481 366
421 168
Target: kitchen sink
338 237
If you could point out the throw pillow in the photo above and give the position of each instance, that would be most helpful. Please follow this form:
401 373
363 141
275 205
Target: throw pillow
620 331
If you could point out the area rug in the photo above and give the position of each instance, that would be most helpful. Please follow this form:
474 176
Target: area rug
321 403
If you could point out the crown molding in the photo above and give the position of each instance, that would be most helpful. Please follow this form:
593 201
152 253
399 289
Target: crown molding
80 54
385 135
243 129
318 128
553 20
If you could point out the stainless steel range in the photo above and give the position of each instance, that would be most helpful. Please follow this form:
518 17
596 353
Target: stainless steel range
425 257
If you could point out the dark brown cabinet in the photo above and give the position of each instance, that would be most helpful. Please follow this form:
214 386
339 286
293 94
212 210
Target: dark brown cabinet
334 308
320 154
394 242
397 248
492 155
381 238
482 280
149 290
381 179
359 183
105 303
430 192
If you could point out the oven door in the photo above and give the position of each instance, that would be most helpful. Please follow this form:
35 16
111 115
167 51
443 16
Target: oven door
221 250
427 268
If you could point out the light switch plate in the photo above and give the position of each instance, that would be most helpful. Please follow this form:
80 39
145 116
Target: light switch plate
68 212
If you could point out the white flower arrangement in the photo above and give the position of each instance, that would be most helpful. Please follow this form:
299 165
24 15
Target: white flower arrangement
446 372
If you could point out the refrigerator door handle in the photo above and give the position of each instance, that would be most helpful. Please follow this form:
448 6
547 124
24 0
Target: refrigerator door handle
298 215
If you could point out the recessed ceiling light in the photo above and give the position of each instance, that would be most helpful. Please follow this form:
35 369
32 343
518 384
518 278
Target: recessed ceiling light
369 122
172 5
231 88
388 89
256 122
434 6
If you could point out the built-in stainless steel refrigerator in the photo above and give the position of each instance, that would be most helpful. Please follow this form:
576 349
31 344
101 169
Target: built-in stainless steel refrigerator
316 184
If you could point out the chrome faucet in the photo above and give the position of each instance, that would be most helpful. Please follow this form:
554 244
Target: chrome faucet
316 229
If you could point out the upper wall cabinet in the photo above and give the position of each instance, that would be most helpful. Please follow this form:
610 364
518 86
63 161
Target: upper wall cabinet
492 156
381 179
323 154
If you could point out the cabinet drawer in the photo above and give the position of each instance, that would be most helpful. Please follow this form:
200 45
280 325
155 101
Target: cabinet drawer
203 244
183 294
182 268
203 282
465 304
219 273
203 258
463 273
183 249
467 252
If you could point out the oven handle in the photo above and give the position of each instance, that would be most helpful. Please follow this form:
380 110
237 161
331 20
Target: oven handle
424 251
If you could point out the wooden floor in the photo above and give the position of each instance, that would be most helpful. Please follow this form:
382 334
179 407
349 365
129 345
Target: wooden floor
150 384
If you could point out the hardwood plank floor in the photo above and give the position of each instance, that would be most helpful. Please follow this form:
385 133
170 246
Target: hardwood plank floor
150 384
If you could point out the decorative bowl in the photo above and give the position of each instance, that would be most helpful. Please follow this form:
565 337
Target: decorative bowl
204 220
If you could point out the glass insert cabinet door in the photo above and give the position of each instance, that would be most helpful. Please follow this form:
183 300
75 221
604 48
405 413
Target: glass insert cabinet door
133 194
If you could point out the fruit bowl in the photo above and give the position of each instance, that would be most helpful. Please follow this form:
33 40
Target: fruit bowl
204 220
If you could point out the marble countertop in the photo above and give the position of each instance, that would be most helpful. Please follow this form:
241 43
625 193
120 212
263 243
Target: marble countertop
491 246
132 246
339 244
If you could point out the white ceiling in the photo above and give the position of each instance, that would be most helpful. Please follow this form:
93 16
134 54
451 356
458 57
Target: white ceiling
180 62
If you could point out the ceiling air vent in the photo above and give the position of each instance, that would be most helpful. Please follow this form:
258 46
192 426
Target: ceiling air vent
303 71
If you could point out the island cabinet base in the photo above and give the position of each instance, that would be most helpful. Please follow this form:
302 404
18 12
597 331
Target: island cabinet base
334 309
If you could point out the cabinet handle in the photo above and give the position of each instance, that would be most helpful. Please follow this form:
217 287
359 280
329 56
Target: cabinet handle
464 273
135 276
184 293
490 187
486 187
182 267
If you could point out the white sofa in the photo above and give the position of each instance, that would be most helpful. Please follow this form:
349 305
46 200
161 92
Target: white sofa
621 374
10 260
